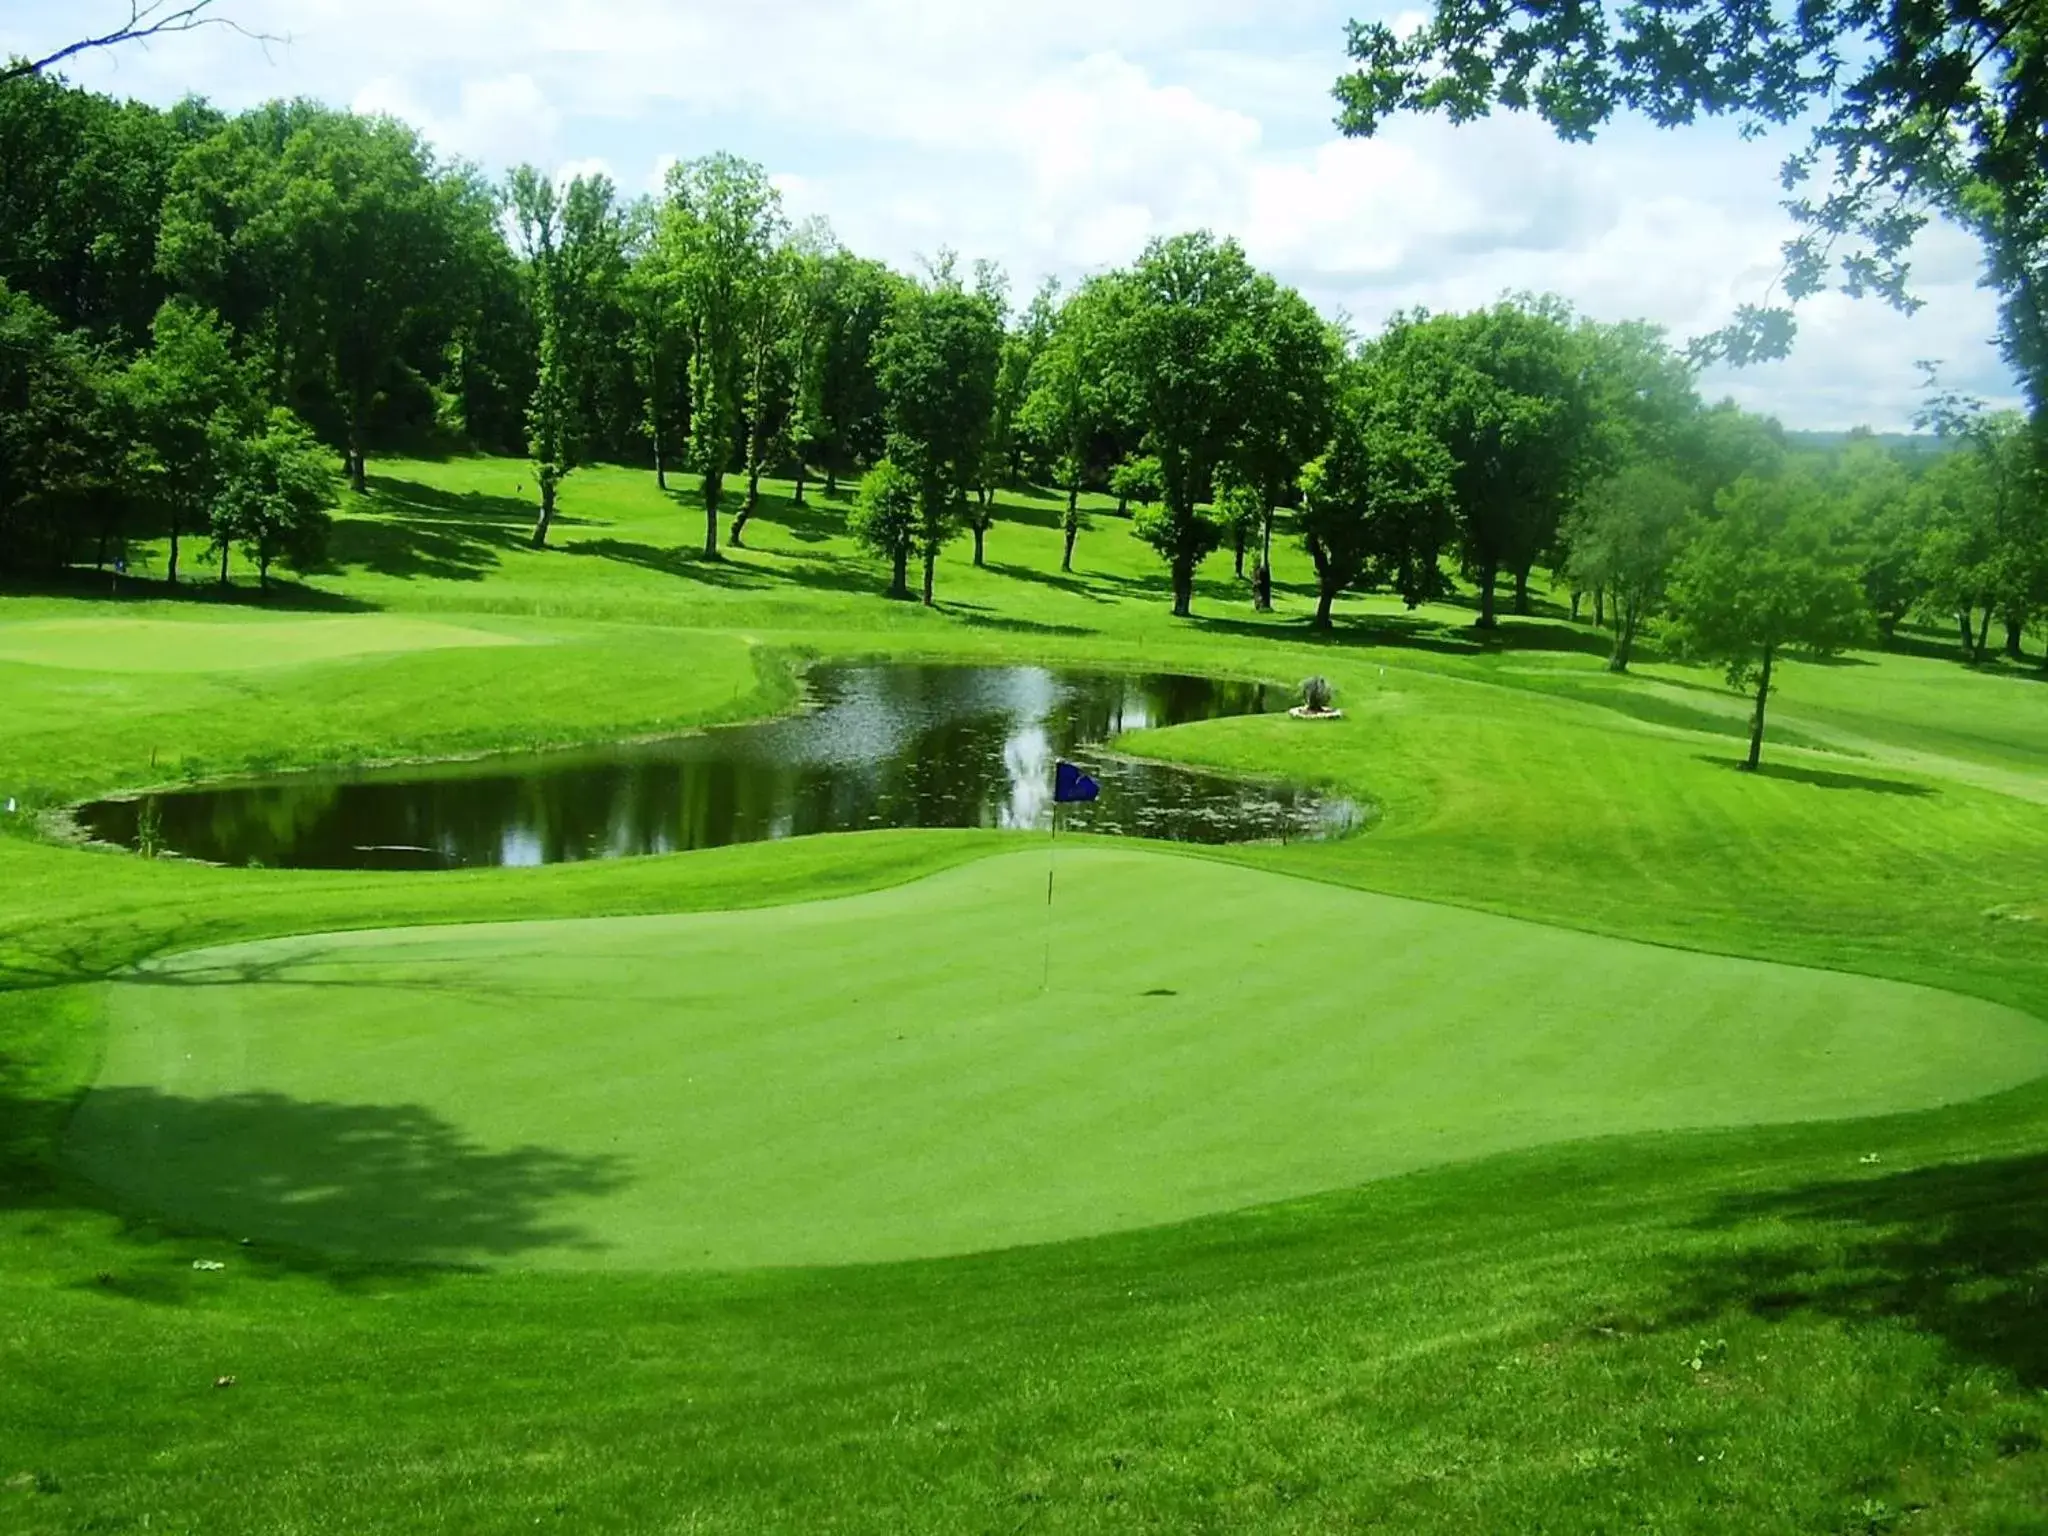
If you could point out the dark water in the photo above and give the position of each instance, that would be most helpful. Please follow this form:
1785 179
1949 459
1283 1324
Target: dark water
882 746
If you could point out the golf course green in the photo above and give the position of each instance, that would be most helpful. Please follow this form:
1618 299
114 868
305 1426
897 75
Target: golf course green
949 1065
1603 1139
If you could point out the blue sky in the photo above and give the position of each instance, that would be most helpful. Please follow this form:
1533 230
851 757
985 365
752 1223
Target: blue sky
1057 136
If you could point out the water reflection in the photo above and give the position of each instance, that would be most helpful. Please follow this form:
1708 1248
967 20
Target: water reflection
883 746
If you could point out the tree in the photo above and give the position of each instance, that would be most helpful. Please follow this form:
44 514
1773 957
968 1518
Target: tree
653 299
1989 543
936 360
722 221
1878 499
1185 341
1287 393
1135 480
572 240
1924 106
82 186
1002 447
325 238
851 411
489 346
1376 506
807 432
182 402
1067 401
274 497
1767 574
1507 390
1623 536
885 520
52 434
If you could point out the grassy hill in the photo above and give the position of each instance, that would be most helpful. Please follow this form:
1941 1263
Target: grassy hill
1614 1251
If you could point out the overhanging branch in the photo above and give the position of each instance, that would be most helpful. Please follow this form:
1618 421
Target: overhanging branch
146 19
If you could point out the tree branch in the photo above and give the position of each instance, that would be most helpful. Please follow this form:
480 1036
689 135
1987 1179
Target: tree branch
146 19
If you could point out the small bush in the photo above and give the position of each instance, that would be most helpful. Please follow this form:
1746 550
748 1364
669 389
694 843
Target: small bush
1316 694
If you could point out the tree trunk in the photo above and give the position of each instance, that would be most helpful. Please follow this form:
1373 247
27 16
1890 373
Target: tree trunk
358 470
1262 581
1237 550
224 565
1963 628
547 512
1627 615
713 489
1756 721
1522 590
1983 634
1183 589
1488 574
799 482
979 532
1600 607
1326 594
899 580
263 571
1577 595
1067 554
1123 506
2013 628
171 573
831 484
660 463
931 559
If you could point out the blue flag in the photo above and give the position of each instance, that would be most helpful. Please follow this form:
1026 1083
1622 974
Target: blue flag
1070 784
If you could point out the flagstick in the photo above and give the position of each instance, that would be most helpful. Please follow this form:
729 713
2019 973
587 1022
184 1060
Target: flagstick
1052 848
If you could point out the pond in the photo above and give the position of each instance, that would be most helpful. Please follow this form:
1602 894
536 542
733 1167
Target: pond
879 746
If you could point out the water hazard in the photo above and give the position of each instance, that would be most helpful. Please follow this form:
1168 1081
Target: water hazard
880 746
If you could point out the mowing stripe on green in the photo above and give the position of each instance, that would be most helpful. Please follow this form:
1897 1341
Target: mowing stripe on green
884 1076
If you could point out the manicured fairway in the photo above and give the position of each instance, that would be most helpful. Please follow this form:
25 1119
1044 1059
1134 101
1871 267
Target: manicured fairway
166 645
886 1075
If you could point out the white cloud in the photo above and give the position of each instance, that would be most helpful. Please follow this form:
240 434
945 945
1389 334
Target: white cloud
1058 136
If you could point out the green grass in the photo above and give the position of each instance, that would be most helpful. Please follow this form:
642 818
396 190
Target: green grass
241 643
1825 1325
867 1103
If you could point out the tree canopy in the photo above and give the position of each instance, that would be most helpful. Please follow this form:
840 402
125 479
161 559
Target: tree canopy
1924 107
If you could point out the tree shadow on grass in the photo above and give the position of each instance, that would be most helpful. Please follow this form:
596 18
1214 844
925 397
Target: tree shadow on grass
344 1190
375 1183
101 586
1825 778
808 522
980 616
1060 581
760 571
1958 1251
672 560
414 531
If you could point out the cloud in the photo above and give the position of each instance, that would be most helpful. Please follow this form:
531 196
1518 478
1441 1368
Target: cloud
1059 136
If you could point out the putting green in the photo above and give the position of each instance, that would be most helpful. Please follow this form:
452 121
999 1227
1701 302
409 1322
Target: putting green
205 645
884 1076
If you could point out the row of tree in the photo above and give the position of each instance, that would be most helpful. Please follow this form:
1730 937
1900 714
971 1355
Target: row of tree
189 301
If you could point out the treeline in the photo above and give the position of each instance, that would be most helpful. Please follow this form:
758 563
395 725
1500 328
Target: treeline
190 304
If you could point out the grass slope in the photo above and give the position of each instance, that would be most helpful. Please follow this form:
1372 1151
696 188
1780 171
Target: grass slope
1830 1326
905 1074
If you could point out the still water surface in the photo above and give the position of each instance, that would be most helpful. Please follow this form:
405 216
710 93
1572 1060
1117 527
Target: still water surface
881 746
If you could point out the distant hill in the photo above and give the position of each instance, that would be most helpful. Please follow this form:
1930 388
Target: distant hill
1898 442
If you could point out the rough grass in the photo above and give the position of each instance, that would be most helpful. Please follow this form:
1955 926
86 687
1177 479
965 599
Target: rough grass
1827 1326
